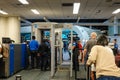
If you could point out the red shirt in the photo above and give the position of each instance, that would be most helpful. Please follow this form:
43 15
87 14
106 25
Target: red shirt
80 47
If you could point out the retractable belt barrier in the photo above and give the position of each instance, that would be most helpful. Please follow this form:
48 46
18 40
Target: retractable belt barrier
18 77
87 68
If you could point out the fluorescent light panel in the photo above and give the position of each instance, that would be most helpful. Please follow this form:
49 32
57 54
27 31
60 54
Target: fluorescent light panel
35 11
23 1
76 7
3 12
116 11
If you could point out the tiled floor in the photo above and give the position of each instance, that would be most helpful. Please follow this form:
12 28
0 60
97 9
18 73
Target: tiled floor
36 74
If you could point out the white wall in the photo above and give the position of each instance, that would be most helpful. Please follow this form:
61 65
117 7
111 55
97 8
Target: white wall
10 27
2 27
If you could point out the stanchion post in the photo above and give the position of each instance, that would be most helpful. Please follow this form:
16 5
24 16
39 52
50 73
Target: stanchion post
18 77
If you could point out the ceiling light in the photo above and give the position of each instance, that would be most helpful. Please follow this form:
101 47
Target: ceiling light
46 19
35 11
76 7
3 12
116 11
23 1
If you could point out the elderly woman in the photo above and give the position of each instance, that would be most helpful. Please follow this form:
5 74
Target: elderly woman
104 60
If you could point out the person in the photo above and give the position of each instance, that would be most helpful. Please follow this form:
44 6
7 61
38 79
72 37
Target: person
47 42
27 55
33 46
89 44
103 58
115 49
75 51
80 50
69 48
44 53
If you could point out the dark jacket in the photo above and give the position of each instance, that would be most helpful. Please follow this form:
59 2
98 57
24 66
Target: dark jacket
43 49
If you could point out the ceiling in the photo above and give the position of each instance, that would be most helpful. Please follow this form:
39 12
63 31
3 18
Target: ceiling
54 10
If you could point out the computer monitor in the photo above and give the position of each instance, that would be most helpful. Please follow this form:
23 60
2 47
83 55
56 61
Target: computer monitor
6 40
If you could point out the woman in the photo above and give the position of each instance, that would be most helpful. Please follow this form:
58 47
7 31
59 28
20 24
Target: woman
104 60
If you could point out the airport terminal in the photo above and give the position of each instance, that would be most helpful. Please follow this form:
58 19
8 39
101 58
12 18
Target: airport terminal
60 40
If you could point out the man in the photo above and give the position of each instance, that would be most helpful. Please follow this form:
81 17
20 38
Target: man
115 49
33 45
44 54
90 43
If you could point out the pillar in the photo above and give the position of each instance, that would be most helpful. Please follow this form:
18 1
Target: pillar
115 25
10 27
3 22
13 28
52 40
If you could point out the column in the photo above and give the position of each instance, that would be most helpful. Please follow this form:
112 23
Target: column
3 22
52 40
115 25
13 28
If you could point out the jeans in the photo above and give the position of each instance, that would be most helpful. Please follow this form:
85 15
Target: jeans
108 78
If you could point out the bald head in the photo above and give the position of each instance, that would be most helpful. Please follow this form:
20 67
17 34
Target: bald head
93 35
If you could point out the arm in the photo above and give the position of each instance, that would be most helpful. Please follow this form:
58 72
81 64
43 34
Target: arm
0 48
84 53
92 56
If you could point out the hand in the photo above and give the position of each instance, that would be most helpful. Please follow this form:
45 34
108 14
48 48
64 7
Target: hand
83 61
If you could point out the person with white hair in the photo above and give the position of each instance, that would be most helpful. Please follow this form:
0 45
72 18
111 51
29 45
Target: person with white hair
89 44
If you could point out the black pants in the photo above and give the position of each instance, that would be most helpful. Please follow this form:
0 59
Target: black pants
33 59
1 67
44 62
75 60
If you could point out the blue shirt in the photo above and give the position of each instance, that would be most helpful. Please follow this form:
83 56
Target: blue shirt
33 45
116 46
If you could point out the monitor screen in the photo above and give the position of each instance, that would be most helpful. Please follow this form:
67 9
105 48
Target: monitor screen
6 40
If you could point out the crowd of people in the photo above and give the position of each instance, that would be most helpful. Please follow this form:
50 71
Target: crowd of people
39 53
104 60
98 58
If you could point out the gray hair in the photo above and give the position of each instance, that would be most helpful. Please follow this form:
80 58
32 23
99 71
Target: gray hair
93 34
